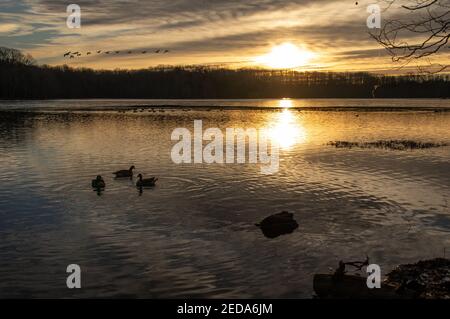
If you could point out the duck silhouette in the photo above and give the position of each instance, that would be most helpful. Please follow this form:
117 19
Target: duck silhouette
125 172
98 182
148 182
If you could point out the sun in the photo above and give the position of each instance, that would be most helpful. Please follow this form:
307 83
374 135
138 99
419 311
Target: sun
286 56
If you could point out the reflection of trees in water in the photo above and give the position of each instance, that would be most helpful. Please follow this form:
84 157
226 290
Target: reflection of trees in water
14 126
17 126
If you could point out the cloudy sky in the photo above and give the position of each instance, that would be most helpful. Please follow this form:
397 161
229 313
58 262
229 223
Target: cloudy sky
229 32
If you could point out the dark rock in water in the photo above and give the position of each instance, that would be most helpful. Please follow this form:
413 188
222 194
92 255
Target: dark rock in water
430 279
278 224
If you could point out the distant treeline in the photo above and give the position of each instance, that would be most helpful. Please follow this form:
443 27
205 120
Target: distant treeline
21 78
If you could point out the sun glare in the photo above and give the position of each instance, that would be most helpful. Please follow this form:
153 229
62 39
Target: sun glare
285 103
286 130
285 56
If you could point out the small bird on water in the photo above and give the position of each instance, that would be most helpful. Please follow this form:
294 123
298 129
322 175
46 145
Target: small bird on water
125 172
148 182
98 182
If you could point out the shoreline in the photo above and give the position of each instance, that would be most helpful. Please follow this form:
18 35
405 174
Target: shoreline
167 107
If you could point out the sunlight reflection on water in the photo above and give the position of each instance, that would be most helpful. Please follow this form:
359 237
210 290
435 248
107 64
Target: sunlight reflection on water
286 130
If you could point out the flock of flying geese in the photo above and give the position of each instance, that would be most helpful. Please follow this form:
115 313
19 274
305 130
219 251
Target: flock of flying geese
77 54
99 183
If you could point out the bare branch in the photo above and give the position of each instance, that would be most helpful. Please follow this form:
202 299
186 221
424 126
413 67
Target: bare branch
421 6
426 32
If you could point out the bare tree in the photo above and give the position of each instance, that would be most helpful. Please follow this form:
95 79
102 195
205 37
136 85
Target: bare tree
13 56
421 30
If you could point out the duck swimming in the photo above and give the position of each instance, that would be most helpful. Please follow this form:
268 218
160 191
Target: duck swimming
148 182
98 182
125 173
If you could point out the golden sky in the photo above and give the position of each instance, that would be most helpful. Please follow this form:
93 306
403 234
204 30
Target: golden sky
330 35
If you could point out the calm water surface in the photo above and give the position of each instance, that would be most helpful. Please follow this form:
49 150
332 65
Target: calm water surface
229 104
193 235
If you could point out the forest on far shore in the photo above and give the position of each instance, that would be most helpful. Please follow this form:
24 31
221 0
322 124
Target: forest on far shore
22 78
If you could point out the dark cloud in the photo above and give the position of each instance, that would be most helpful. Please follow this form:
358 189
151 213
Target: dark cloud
120 11
189 27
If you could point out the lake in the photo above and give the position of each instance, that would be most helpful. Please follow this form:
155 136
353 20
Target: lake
194 234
